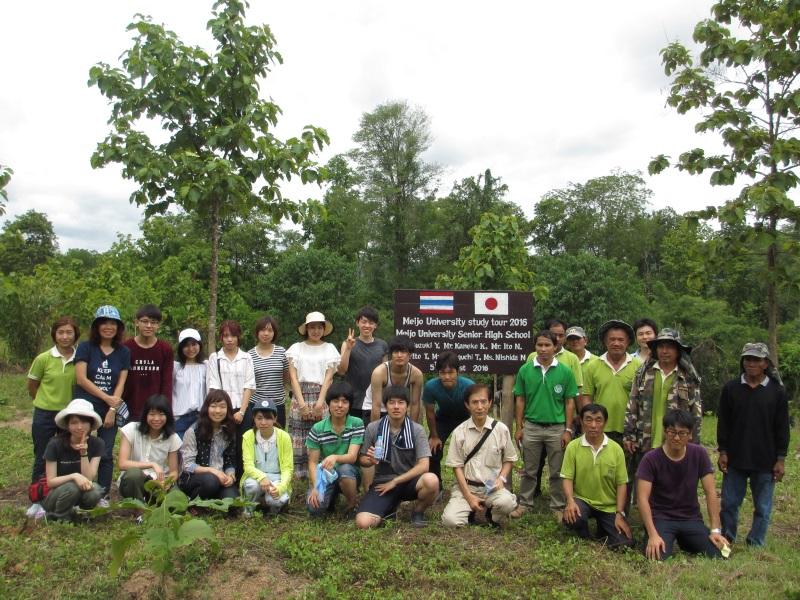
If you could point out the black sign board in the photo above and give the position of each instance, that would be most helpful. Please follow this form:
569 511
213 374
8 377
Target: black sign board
491 331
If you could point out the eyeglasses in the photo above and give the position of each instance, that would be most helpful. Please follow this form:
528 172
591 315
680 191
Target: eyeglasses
681 435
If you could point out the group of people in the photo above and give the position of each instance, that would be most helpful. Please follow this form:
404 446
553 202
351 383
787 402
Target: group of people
219 428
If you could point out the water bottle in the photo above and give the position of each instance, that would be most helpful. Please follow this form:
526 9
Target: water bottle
331 475
379 448
489 483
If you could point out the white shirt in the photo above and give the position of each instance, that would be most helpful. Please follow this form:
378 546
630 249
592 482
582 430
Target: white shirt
146 449
237 375
188 387
311 361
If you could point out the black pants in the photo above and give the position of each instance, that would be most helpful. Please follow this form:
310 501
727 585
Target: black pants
444 427
605 526
207 487
43 428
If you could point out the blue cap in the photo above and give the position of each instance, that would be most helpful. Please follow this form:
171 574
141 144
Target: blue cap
264 406
107 312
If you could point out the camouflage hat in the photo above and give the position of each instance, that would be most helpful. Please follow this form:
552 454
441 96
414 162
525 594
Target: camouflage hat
757 349
575 332
671 335
616 324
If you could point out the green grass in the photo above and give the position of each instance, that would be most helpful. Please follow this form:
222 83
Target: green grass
14 398
292 556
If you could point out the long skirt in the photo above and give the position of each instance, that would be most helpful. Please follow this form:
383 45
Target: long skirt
299 427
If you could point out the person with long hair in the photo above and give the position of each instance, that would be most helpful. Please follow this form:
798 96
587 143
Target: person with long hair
209 450
188 380
271 367
72 459
149 449
312 363
50 382
101 368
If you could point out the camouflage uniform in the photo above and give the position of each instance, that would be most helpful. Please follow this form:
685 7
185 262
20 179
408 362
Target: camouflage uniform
684 394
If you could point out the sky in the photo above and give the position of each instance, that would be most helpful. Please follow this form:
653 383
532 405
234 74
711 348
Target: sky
543 94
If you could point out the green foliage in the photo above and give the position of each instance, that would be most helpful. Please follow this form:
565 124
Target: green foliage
5 178
496 260
221 158
745 83
588 291
316 279
27 241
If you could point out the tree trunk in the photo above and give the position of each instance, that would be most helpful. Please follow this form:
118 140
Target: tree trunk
772 295
214 279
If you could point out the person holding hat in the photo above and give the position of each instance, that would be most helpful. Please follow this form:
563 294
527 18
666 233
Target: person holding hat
268 460
607 381
72 459
188 380
101 369
575 341
312 363
667 381
753 438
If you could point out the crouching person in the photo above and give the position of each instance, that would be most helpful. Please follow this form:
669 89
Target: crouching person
333 444
398 449
72 458
595 481
482 454
268 461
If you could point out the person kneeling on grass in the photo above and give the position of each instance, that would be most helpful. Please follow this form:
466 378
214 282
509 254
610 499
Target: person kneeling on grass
148 450
667 493
268 461
398 449
595 481
209 450
333 444
72 458
482 454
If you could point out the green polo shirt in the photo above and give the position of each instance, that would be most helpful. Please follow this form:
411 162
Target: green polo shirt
56 377
610 389
322 437
545 396
661 389
569 359
595 477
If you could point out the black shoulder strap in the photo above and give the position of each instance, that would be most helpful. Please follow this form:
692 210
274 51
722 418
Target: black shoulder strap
477 447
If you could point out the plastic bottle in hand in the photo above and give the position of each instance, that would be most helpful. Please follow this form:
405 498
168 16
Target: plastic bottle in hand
378 453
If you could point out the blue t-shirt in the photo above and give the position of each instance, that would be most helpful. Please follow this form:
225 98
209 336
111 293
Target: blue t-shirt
449 403
103 370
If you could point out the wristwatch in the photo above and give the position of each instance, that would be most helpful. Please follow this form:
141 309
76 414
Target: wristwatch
622 512
716 530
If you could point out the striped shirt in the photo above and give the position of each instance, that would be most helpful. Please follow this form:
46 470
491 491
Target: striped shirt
269 375
322 437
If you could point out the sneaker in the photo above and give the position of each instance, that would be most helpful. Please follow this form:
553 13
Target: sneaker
247 512
418 519
104 502
33 509
518 512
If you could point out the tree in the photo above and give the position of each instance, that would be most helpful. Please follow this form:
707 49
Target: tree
496 260
746 83
606 216
25 242
392 140
5 177
220 157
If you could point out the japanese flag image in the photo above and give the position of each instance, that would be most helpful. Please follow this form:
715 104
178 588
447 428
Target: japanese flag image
491 303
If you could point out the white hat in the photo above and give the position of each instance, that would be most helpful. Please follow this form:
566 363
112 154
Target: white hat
316 317
80 407
189 334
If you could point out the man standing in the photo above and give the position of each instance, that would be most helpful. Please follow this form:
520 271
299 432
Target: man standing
667 492
753 438
544 394
359 357
663 383
152 362
398 449
399 371
576 341
482 455
445 407
644 330
595 481
608 380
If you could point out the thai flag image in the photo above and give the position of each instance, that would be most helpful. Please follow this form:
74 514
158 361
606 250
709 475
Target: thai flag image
439 303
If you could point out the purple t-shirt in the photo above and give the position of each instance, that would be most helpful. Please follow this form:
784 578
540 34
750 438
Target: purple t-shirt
674 493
